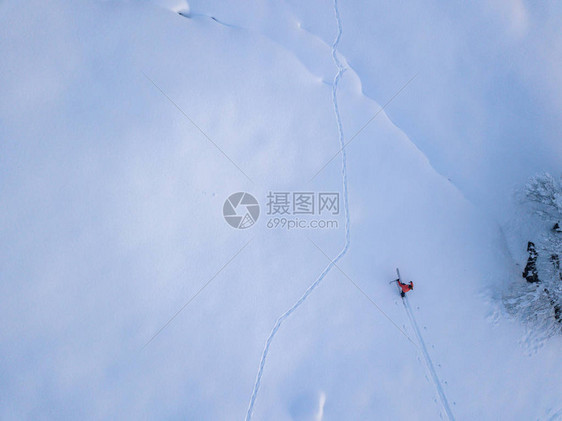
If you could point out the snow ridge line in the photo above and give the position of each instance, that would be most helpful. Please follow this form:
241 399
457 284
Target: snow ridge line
302 299
428 360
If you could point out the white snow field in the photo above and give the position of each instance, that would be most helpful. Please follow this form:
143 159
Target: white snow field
124 127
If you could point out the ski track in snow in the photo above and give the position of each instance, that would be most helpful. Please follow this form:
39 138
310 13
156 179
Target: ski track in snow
428 360
328 268
557 416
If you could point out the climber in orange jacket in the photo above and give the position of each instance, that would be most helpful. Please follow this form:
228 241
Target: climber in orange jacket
405 287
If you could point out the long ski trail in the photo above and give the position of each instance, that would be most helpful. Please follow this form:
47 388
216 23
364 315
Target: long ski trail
328 268
428 360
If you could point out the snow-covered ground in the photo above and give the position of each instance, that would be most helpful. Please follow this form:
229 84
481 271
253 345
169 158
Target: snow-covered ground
124 126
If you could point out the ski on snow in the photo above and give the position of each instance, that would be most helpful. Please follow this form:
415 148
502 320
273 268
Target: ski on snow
398 284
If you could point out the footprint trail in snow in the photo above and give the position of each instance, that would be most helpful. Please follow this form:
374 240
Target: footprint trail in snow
317 282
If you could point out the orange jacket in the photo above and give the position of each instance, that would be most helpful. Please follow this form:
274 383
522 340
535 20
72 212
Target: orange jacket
406 287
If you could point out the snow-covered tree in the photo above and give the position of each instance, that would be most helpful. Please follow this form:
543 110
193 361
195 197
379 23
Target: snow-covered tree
539 300
544 193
